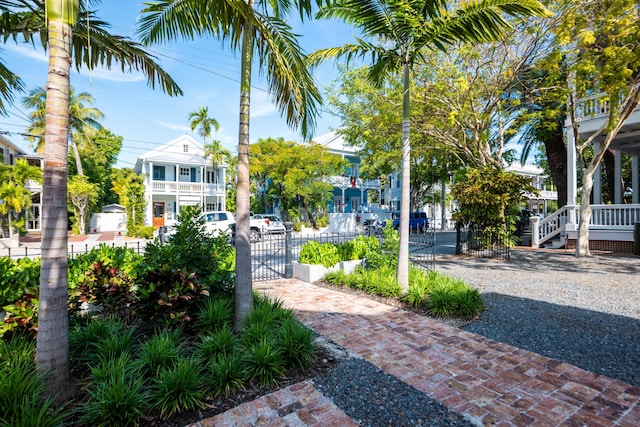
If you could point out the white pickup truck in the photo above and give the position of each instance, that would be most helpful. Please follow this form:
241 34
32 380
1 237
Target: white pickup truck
224 221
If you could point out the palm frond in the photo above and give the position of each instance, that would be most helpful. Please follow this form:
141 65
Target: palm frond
286 66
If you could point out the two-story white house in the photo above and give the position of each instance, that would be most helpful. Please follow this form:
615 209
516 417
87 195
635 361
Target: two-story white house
176 175
612 225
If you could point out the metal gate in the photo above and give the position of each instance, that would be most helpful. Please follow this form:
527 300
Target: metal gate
268 257
422 249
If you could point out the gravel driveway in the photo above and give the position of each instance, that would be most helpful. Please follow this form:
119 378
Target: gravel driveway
582 311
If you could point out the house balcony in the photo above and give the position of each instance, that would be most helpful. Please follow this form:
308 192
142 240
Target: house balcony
33 186
187 188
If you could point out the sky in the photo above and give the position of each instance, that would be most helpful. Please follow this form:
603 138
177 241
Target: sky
207 72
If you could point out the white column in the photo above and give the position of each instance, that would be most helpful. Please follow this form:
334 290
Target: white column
572 179
617 198
149 213
635 184
597 179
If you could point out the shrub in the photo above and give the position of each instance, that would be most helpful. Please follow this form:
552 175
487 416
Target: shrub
222 343
169 295
161 351
116 396
264 362
17 278
296 343
21 388
313 252
178 388
142 231
214 314
96 338
225 374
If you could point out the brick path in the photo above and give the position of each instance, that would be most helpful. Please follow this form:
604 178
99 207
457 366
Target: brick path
490 383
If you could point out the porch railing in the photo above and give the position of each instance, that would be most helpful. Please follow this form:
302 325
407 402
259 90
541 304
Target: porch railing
186 187
609 217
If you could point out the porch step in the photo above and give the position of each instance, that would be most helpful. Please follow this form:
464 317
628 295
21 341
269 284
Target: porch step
556 243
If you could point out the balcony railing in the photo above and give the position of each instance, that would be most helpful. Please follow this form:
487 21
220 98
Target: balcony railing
195 188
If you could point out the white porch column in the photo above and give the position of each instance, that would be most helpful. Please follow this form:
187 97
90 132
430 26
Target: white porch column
597 179
635 184
149 186
617 198
572 179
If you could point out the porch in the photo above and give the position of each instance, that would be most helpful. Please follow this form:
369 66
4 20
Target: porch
611 227
187 188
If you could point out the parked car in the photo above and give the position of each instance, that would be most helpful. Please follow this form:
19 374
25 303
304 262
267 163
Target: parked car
214 223
418 222
274 223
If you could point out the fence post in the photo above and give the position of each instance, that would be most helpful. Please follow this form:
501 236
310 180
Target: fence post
458 238
288 250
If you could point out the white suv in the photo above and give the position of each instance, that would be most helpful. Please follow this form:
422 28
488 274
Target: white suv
215 222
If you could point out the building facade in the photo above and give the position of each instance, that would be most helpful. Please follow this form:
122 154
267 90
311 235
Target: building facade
177 174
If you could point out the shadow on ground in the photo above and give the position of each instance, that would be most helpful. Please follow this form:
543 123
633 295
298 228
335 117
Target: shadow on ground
598 342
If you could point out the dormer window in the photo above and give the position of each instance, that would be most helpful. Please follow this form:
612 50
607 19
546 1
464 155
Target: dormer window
185 148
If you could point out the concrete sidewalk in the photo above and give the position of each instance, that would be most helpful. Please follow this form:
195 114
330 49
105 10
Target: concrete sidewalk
30 246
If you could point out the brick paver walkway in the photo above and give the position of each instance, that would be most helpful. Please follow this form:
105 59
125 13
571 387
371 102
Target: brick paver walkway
490 383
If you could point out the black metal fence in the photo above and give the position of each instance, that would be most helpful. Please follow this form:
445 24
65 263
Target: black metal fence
273 254
73 250
482 242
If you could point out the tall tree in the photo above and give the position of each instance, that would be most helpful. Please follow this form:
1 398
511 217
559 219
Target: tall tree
54 21
295 172
13 191
217 153
83 120
395 34
201 121
129 186
601 42
250 27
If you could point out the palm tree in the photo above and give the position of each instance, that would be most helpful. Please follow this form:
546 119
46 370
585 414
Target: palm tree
398 31
54 21
200 120
217 153
83 120
251 27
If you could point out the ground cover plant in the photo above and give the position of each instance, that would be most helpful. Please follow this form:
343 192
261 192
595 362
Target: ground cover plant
433 293
150 343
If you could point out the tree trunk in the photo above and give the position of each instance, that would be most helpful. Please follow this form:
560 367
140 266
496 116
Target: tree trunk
402 274
609 161
244 290
52 350
557 157
582 245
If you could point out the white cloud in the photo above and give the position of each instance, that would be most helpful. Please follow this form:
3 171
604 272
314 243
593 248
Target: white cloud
28 50
261 104
172 126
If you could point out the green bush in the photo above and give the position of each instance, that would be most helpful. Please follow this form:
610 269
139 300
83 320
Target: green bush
162 351
221 343
214 314
178 388
115 397
312 252
21 388
296 343
264 362
96 339
225 374
142 231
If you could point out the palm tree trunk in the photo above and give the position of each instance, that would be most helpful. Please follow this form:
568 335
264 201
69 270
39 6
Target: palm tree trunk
244 291
402 273
52 350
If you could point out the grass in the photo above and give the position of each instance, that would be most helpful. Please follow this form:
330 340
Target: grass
435 293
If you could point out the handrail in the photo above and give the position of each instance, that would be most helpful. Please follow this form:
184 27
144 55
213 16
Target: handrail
611 217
